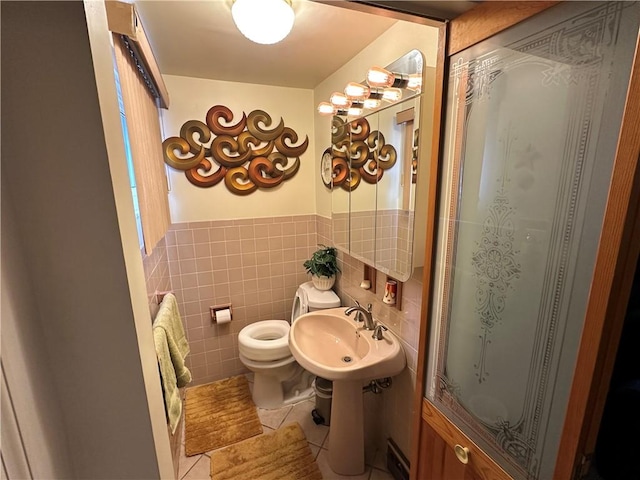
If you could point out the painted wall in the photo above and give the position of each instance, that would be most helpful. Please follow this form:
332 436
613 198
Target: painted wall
254 264
32 399
75 223
191 98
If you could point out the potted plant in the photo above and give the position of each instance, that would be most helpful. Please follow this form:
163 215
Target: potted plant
323 266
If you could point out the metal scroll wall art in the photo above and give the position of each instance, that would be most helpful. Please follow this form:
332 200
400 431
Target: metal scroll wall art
366 151
247 154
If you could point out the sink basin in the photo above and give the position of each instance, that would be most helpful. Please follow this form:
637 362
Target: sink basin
332 345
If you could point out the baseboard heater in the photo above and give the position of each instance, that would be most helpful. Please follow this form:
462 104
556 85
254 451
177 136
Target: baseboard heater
397 463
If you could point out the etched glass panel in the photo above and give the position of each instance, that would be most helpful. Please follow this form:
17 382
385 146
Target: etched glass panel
531 128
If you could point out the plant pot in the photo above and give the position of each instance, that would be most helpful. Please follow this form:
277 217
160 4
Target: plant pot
323 283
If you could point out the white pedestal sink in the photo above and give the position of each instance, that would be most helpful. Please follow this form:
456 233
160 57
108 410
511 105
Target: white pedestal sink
331 345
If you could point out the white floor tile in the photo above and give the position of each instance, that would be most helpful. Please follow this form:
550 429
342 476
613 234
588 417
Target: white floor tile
273 418
315 450
328 474
185 463
380 475
201 470
301 413
380 460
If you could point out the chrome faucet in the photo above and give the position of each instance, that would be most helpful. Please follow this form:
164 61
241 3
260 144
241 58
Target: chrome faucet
377 332
369 323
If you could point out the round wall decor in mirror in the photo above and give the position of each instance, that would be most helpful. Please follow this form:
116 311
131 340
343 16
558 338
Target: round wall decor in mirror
326 168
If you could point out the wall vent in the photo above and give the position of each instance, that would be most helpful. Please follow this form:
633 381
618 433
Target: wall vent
397 463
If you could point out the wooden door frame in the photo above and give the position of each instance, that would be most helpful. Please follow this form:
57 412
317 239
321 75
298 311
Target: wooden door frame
616 258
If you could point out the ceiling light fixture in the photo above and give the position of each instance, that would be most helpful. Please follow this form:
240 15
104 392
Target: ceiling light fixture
263 21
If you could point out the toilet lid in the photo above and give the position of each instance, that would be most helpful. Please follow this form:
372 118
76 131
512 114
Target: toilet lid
320 299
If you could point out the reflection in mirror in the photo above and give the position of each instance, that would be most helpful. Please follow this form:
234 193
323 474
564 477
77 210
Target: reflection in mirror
396 190
374 172
363 148
341 176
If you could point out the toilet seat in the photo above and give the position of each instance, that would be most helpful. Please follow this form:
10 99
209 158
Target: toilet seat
265 341
262 365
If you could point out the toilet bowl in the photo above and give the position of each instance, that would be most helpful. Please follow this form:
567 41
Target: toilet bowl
264 349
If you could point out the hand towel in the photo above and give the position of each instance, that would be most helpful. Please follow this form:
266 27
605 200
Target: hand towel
172 399
168 319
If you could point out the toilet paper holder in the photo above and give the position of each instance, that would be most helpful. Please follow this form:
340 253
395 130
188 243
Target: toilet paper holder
216 308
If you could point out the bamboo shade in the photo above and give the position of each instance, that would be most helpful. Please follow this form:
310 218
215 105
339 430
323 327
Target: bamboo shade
145 139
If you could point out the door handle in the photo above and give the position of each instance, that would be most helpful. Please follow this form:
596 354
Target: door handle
462 453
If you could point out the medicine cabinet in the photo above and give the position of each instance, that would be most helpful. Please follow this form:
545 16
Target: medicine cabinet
376 160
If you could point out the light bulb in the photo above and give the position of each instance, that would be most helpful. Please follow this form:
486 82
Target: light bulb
338 99
379 77
355 111
356 91
415 82
371 103
263 21
392 94
325 108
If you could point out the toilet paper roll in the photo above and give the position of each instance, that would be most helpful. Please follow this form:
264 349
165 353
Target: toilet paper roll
223 316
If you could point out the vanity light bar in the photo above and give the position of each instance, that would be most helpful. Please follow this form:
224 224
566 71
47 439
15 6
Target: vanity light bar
357 91
339 100
382 85
325 108
371 103
392 94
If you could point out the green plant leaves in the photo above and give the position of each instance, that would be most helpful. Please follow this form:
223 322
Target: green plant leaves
323 262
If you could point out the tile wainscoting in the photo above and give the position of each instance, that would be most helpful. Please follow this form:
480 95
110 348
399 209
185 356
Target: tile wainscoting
256 265
397 409
156 274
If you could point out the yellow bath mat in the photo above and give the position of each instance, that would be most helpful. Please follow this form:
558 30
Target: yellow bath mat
280 455
219 414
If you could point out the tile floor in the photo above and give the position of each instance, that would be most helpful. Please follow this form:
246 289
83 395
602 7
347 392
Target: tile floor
197 467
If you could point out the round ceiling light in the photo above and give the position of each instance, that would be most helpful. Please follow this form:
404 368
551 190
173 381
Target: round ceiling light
263 21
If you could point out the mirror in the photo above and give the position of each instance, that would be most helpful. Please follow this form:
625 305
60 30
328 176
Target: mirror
374 161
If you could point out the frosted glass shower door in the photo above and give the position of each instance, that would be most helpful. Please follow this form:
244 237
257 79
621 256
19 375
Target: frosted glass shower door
531 127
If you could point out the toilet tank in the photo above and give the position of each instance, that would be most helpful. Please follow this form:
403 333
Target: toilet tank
309 299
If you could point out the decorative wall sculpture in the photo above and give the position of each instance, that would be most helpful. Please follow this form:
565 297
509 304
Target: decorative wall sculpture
366 150
246 155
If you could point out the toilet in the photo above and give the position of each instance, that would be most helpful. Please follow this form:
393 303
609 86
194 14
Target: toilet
264 349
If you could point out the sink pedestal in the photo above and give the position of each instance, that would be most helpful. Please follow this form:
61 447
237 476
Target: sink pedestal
346 432
330 345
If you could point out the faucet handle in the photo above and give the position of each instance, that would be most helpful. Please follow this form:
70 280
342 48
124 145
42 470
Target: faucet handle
377 332
369 308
